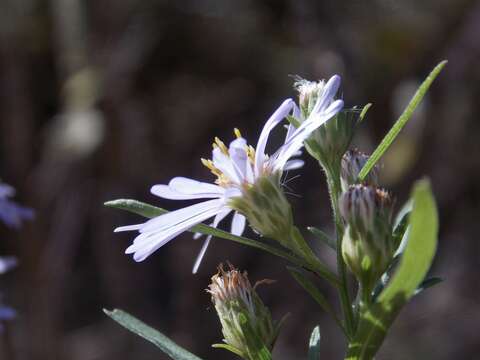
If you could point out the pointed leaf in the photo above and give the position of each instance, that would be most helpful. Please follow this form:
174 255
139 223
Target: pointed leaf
364 112
401 122
169 347
320 235
427 283
314 344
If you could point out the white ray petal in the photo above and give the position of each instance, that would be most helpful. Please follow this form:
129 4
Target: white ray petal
128 228
293 164
189 186
219 217
224 163
147 243
329 91
273 121
166 192
238 224
175 217
238 156
287 150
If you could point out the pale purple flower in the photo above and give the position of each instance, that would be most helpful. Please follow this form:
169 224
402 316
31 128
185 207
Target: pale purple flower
11 213
6 313
237 166
7 263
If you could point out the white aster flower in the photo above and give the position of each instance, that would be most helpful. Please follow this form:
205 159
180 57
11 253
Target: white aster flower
236 167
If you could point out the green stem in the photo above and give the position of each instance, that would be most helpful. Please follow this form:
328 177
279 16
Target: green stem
333 182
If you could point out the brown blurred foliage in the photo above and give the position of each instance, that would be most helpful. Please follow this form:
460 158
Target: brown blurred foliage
101 99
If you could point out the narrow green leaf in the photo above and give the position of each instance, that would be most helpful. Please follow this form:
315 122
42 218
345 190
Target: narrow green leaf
400 123
314 344
169 347
136 207
427 283
376 318
149 211
310 287
364 111
319 234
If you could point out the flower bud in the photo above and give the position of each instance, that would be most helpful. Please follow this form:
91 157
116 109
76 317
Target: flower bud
247 325
352 162
367 245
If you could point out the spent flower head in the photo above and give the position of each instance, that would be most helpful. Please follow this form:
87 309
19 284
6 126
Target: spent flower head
247 324
237 168
367 245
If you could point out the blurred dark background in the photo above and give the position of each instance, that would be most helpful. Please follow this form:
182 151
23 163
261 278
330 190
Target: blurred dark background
101 99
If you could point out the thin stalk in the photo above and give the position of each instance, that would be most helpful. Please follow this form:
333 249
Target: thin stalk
333 182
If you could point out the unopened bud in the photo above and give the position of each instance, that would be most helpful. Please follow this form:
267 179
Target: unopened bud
247 325
367 245
352 162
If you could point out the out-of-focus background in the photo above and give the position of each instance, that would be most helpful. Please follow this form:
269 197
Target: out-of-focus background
101 99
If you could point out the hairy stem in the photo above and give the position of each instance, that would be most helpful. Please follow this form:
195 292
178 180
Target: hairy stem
333 182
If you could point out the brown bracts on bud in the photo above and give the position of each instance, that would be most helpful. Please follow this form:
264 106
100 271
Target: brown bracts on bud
352 162
247 325
367 245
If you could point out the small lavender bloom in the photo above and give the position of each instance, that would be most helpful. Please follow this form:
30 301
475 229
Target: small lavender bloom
11 213
7 263
6 314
